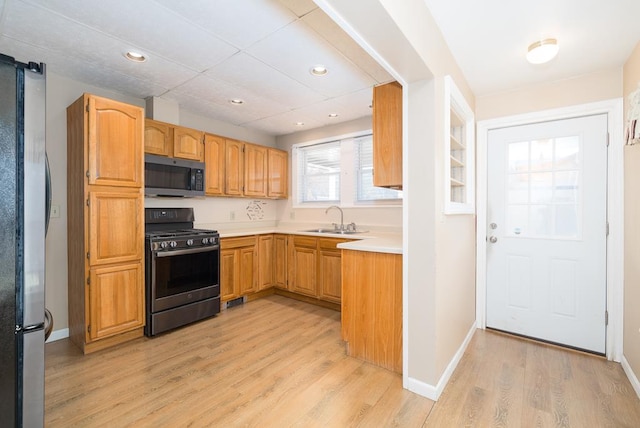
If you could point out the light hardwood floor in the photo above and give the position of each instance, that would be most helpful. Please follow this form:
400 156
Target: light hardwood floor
277 362
505 381
272 362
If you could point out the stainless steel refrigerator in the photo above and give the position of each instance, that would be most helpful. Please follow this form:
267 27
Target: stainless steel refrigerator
22 233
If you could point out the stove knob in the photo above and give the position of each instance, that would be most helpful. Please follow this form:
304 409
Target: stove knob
173 244
189 242
164 244
205 241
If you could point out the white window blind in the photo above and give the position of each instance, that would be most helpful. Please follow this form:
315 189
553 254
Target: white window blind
319 173
365 190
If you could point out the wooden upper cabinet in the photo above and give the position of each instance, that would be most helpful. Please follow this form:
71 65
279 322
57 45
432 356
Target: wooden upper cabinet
255 170
187 143
234 167
115 133
158 138
116 224
278 173
214 164
387 135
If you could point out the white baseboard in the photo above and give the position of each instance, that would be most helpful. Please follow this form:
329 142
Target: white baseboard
433 392
631 375
58 334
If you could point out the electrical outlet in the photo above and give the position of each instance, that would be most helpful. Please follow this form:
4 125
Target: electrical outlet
55 211
232 215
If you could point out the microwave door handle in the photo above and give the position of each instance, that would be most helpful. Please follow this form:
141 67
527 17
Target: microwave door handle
193 180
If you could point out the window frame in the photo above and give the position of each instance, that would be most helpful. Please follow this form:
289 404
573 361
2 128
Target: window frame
348 175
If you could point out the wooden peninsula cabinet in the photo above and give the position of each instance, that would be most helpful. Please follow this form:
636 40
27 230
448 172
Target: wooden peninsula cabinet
372 307
387 135
105 222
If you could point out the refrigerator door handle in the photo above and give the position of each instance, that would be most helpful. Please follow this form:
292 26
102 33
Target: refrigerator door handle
31 328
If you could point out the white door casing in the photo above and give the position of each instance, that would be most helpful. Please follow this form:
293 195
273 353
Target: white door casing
615 189
546 252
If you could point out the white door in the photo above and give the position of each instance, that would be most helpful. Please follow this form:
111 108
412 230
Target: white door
547 226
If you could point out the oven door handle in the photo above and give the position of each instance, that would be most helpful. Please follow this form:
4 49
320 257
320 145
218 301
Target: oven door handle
186 251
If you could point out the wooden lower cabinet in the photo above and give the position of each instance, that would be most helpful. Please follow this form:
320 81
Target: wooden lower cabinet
372 307
238 265
329 270
280 261
265 262
117 299
303 265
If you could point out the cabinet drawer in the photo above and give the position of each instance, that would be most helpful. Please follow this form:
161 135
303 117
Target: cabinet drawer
305 241
331 243
245 241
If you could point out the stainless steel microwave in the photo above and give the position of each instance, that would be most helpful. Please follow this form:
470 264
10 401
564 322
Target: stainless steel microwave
165 176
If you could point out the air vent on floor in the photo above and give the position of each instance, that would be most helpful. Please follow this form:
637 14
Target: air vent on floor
235 302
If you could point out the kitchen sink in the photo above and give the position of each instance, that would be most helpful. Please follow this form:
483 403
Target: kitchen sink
338 232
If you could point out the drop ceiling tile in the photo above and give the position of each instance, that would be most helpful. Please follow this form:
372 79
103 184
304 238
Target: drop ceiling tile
338 38
220 93
259 78
68 38
238 22
203 107
347 107
294 49
299 7
149 26
284 123
72 68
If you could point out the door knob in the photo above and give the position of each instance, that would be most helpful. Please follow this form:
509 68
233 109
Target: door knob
493 239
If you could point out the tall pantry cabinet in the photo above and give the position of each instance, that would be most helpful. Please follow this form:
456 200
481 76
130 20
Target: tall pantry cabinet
105 222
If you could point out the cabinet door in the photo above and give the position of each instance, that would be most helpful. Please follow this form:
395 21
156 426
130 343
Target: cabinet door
157 138
280 261
214 164
229 285
115 227
255 170
265 261
248 280
234 167
329 270
187 143
115 134
116 300
387 135
277 173
303 265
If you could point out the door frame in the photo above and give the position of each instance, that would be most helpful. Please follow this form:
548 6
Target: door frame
615 208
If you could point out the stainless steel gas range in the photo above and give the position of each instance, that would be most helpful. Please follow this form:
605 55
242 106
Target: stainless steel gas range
182 270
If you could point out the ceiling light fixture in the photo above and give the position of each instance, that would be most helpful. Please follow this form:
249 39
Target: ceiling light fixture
333 114
135 56
299 124
236 101
319 70
542 51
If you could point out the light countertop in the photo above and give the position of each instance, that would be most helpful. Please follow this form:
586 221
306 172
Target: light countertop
372 241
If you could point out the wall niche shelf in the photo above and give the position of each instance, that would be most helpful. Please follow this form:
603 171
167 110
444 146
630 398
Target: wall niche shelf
459 152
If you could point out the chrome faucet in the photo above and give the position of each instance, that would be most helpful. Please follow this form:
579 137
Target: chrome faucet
341 217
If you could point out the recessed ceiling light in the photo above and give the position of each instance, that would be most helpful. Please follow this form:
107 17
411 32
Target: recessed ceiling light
333 114
236 101
319 70
135 56
299 124
542 51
